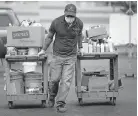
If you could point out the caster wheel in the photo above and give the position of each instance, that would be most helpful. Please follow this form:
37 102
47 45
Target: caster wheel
10 104
43 104
114 101
80 101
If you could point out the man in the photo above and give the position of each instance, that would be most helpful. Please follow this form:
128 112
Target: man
68 34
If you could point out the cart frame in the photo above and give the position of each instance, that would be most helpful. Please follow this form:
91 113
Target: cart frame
112 94
26 58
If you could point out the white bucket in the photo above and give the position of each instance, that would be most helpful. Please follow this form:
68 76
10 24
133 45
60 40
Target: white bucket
33 82
29 66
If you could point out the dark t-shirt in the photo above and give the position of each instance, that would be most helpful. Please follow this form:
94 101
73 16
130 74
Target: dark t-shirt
66 38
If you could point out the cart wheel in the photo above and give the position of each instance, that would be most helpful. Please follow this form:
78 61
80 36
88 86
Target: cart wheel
80 101
43 103
10 104
114 101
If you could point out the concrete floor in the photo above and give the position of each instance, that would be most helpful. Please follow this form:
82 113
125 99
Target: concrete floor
126 104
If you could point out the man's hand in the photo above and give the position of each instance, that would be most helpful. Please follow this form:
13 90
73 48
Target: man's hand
81 51
42 52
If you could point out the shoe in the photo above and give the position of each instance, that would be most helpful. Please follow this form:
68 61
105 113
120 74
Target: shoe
61 108
51 102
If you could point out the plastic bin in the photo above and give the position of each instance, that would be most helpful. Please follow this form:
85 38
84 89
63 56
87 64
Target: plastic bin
33 83
16 83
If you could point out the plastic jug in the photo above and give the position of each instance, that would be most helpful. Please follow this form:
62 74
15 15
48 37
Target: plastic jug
94 47
98 48
102 47
85 47
110 44
106 47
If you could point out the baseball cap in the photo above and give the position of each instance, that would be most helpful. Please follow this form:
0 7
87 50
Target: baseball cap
70 9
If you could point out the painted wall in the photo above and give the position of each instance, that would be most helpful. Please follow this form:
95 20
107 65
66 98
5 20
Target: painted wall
134 28
119 28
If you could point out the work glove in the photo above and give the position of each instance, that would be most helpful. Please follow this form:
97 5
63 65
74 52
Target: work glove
42 52
81 51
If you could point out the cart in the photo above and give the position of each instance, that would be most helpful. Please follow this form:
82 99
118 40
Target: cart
30 37
111 94
25 58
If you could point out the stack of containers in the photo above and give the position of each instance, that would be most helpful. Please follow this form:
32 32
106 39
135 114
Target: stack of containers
30 66
99 46
33 79
97 41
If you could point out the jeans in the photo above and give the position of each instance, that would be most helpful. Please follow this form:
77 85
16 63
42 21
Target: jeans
62 71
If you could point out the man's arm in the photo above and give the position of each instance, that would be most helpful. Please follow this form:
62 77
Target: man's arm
48 40
80 36
49 37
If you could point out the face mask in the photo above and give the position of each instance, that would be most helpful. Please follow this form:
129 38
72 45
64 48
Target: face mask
69 19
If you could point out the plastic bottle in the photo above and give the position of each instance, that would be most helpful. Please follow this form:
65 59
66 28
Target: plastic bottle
102 47
90 47
106 47
85 47
110 43
98 47
94 47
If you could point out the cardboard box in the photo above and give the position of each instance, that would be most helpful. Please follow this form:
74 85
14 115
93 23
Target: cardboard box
85 80
98 84
25 36
97 31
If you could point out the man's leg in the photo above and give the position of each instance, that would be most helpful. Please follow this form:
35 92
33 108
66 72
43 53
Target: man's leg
67 77
55 76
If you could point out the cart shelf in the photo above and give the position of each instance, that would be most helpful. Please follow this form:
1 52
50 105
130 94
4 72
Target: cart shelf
26 58
113 59
98 94
105 55
22 58
27 97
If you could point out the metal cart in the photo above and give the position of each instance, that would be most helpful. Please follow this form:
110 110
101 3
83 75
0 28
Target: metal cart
25 58
111 94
